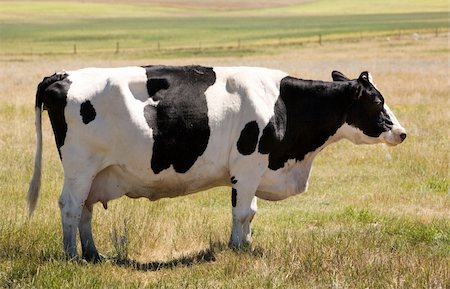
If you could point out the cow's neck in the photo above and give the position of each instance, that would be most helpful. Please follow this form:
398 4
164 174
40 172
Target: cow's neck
316 110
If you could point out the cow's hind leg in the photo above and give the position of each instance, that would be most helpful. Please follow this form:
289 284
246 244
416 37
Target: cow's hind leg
90 252
244 208
71 202
246 226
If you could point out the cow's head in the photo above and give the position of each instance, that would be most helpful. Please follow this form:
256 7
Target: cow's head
369 119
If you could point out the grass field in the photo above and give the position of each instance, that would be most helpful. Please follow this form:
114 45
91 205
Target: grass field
373 217
49 28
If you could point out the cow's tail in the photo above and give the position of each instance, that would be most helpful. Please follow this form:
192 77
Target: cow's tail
35 184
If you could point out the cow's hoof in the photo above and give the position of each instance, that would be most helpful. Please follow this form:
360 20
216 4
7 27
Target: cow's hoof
240 247
69 257
94 257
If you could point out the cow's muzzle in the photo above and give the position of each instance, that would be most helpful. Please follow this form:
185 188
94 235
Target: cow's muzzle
394 136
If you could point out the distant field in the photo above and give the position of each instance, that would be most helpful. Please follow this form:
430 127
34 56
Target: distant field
67 9
46 28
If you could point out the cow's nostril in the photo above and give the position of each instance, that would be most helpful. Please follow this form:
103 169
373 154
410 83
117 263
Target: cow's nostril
402 136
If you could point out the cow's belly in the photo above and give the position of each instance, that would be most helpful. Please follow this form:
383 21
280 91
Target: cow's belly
118 180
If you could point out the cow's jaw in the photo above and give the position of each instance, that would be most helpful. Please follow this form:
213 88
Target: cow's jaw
354 134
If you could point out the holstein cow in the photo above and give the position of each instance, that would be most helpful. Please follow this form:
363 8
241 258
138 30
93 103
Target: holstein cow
162 131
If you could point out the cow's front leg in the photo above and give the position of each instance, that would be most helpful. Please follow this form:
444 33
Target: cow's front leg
244 208
90 252
71 202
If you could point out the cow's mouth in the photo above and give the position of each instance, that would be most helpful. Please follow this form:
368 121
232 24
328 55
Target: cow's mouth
393 137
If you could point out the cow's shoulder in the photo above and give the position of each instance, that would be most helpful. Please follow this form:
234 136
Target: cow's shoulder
257 89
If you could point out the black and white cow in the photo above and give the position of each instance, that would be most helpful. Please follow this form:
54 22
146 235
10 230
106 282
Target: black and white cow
161 131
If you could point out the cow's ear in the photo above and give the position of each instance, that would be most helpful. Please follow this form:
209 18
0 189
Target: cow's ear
339 76
365 78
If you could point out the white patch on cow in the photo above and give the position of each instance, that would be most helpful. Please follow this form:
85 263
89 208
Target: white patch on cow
392 137
290 180
355 135
118 96
371 79
240 95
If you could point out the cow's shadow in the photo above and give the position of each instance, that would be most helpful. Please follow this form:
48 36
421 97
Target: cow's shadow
204 256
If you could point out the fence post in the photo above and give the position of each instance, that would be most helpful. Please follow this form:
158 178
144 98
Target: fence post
320 39
75 49
159 46
117 47
239 43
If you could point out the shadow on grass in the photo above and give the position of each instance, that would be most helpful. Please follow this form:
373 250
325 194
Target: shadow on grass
204 256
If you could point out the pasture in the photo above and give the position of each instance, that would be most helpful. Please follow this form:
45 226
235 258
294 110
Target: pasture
373 217
148 31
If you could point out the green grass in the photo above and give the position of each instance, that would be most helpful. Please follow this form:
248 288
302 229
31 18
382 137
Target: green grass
349 7
49 28
65 10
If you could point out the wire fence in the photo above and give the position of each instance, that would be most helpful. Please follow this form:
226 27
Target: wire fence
160 48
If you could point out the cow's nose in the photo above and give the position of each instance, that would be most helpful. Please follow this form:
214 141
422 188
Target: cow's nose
402 136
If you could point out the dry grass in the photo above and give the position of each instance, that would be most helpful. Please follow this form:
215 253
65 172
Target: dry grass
373 217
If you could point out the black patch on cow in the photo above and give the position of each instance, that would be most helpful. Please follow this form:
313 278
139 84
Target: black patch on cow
367 112
156 84
275 129
181 132
233 180
150 115
52 93
233 197
306 114
248 139
87 112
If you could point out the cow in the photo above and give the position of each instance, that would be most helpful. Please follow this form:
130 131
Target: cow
168 131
